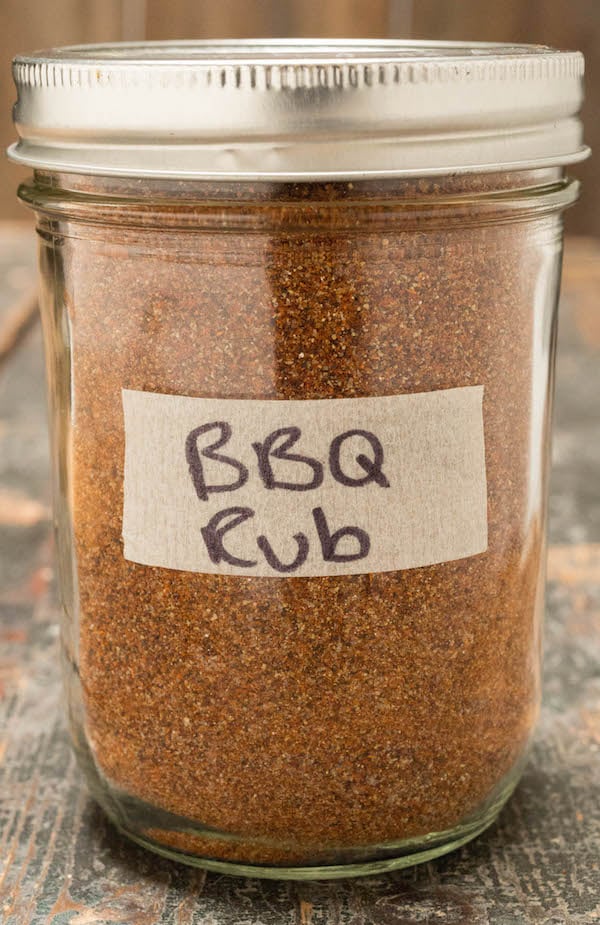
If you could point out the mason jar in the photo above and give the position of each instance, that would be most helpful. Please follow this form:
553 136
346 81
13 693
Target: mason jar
299 306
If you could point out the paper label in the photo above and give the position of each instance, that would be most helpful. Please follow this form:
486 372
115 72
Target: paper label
298 488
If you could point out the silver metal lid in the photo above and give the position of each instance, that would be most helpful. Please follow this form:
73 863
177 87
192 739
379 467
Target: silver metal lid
291 109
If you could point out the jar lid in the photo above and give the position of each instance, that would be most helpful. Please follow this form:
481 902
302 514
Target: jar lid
293 109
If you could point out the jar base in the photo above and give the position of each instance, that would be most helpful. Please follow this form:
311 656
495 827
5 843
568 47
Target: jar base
456 839
124 811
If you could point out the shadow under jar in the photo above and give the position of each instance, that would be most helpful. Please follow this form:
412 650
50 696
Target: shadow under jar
299 306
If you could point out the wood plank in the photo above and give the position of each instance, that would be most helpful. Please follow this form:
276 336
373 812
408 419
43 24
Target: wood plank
268 18
226 19
546 22
340 18
18 292
17 321
31 24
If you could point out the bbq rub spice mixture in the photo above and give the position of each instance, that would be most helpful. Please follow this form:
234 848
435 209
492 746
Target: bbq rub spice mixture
311 716
301 433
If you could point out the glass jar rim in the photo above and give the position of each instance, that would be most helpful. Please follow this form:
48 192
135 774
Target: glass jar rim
305 208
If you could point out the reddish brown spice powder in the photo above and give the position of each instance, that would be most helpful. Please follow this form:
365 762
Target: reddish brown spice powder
306 720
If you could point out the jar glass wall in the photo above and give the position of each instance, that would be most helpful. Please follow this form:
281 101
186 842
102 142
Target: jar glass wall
319 725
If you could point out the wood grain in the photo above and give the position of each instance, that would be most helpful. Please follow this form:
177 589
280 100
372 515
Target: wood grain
226 19
30 24
60 860
17 321
347 18
575 25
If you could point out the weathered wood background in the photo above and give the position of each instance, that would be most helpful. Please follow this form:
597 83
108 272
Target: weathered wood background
61 862
29 24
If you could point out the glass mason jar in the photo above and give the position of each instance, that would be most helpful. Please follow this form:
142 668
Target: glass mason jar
299 305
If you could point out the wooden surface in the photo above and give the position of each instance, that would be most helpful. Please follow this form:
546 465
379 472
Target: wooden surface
61 862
